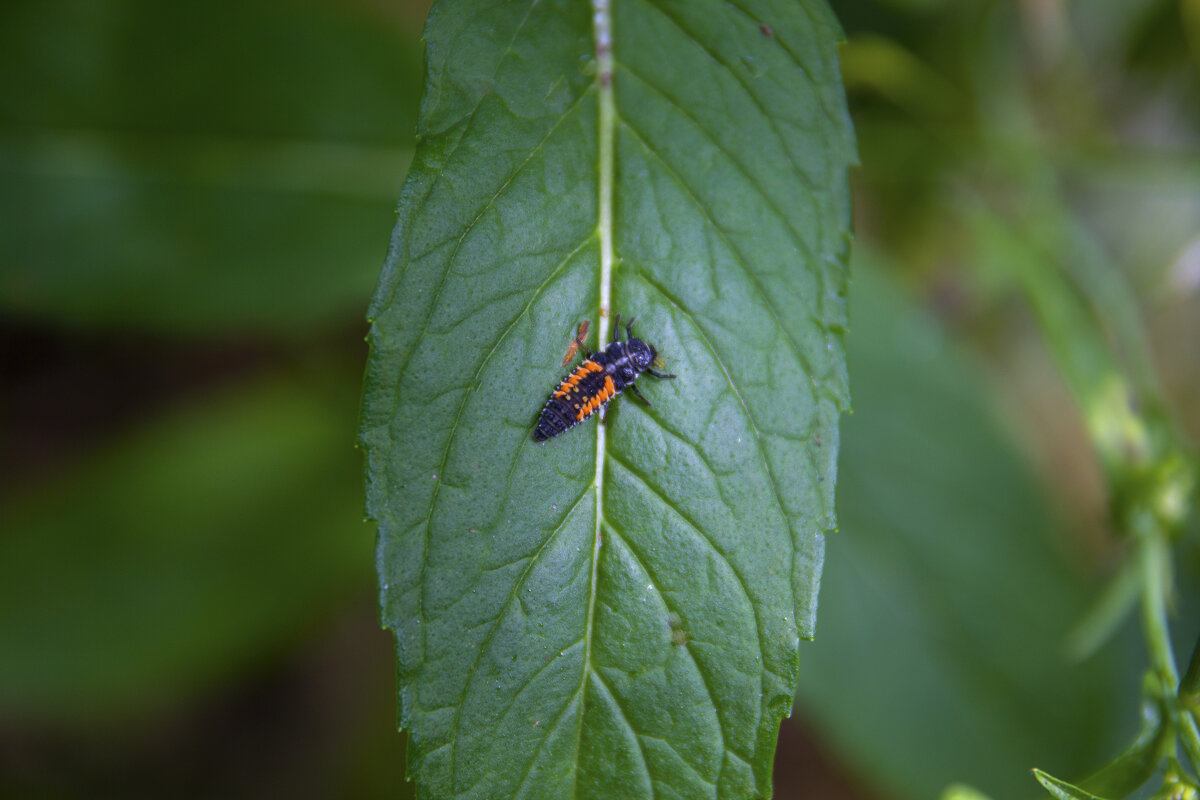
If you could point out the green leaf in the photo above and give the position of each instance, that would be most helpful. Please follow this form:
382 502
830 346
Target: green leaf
1061 789
181 553
946 598
961 791
616 612
1154 743
1112 607
177 167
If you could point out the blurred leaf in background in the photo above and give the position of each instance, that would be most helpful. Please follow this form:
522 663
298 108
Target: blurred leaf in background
1073 129
196 199
946 598
185 547
188 167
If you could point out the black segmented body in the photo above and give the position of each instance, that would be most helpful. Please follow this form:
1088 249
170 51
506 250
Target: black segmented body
595 382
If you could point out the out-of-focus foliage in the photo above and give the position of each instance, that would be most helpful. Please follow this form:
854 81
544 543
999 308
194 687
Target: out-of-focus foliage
1035 157
945 599
181 550
195 200
189 167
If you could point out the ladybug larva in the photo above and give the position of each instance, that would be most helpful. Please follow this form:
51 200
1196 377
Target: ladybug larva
595 382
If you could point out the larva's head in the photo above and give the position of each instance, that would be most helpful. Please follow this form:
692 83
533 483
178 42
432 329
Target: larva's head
641 354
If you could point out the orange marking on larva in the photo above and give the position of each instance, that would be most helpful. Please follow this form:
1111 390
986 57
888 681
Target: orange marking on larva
609 387
568 386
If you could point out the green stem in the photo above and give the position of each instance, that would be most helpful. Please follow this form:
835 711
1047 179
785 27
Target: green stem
1189 687
1189 699
1190 737
1155 557
1155 582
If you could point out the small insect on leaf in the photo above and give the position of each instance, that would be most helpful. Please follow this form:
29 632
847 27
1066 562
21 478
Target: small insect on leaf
593 384
577 342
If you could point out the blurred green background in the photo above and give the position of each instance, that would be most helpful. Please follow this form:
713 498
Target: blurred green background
195 200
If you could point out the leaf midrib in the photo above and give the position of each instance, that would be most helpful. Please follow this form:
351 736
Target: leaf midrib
605 142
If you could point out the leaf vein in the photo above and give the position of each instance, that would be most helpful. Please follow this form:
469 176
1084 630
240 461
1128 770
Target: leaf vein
576 696
628 726
704 538
741 79
766 463
466 121
454 426
516 695
739 257
454 728
704 679
754 182
488 204
795 59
